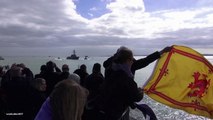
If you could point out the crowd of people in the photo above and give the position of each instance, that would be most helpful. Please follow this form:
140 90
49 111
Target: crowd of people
57 94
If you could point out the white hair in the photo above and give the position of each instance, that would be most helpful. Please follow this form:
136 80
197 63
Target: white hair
74 77
122 48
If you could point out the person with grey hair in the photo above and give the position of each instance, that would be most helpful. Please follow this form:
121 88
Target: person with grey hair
120 89
117 63
74 77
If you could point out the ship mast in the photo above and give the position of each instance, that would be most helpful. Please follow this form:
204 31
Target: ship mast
74 52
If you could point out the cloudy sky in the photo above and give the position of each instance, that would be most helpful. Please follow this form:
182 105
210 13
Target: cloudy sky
99 27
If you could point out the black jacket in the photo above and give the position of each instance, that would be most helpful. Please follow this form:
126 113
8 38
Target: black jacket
93 83
137 64
119 92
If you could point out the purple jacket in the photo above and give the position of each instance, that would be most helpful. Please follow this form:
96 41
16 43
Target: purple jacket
45 112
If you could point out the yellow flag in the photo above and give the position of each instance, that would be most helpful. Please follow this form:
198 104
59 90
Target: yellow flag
183 79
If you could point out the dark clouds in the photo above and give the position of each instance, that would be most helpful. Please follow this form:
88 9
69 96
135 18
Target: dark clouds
53 27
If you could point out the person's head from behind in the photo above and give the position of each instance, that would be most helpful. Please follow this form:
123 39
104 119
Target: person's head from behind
65 68
43 68
16 71
83 67
74 77
96 68
22 65
68 100
50 66
122 48
124 56
39 84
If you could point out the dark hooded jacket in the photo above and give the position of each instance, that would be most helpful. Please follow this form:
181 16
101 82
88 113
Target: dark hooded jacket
119 92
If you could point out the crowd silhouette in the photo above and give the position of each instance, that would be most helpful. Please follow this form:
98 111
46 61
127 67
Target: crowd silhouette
57 94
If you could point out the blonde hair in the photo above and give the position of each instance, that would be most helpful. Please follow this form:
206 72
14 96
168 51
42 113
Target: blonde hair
68 100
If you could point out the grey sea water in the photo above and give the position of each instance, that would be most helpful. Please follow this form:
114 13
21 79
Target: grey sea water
162 112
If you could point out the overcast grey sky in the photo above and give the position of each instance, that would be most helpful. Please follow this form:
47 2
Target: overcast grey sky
99 27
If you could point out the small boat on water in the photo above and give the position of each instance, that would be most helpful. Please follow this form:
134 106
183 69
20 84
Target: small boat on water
1 58
86 58
58 58
73 56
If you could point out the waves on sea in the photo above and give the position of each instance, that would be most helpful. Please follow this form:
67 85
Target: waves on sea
163 112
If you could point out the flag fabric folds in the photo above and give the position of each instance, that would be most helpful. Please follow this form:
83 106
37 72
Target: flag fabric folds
183 79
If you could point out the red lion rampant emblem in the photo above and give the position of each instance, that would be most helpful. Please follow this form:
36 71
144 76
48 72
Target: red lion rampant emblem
200 85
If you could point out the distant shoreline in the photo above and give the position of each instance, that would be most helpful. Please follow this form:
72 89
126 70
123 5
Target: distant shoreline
84 56
207 54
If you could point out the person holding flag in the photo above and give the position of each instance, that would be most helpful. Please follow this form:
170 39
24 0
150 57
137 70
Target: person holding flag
137 64
120 91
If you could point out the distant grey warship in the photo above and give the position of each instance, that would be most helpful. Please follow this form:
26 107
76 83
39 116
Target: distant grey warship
73 56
